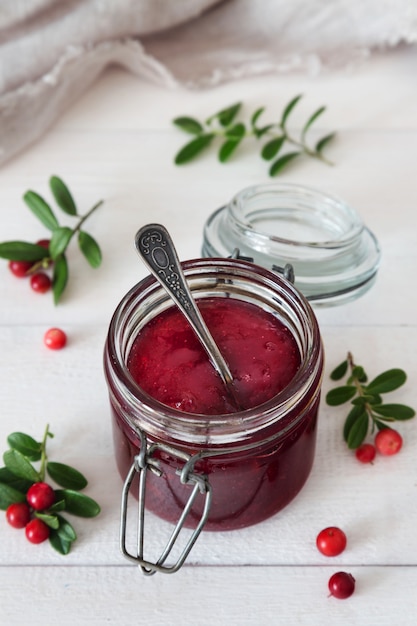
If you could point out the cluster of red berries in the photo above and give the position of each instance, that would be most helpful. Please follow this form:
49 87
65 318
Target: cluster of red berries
387 442
39 498
39 281
332 541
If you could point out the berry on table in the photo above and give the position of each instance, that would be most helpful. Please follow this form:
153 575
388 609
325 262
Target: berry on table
341 585
40 282
44 243
20 268
18 514
55 339
37 531
388 441
331 541
365 453
40 496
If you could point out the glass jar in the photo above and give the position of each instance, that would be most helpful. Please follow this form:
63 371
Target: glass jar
241 467
335 257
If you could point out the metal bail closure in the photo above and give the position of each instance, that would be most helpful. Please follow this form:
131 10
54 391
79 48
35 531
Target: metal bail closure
287 271
142 463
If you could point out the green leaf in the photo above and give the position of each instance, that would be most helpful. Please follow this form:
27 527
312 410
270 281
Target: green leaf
340 395
26 445
66 476
9 495
90 248
78 503
236 132
60 277
288 109
22 251
358 431
50 520
60 240
19 465
311 120
260 132
322 143
359 373
62 538
396 411
226 116
353 415
194 147
58 505
227 149
280 163
41 209
256 116
387 381
8 478
189 125
339 371
62 195
271 149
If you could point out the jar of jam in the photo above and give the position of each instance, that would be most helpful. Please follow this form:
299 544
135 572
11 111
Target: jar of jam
195 459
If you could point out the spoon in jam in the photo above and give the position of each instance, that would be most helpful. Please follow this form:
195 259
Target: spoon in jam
157 250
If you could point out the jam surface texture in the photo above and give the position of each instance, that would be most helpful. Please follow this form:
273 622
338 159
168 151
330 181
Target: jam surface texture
169 363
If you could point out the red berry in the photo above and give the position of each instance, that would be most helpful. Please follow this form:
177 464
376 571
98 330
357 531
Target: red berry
40 496
331 541
20 268
37 531
40 282
365 453
55 338
18 514
388 441
44 243
341 585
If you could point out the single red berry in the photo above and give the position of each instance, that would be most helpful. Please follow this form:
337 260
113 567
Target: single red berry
40 496
18 514
341 585
331 541
20 268
55 338
388 441
365 453
37 531
44 243
40 282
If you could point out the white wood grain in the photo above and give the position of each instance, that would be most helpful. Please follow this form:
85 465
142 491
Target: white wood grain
118 143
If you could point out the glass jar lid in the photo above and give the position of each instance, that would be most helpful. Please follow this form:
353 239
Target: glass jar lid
335 257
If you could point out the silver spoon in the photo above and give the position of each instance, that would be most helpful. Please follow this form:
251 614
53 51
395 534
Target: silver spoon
157 250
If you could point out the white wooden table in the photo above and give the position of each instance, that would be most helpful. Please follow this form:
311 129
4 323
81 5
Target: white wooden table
118 143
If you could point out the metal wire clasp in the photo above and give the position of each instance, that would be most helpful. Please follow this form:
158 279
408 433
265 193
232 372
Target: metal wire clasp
142 463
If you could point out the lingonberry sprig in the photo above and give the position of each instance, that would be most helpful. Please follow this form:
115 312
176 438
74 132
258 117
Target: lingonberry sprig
223 125
27 259
35 505
369 411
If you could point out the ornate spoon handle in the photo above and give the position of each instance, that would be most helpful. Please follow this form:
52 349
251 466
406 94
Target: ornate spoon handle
157 250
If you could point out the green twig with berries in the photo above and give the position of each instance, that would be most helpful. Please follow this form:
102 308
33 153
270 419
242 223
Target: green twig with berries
223 125
28 258
35 505
369 411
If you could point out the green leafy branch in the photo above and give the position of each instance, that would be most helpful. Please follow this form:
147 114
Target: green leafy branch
19 474
224 125
55 254
369 411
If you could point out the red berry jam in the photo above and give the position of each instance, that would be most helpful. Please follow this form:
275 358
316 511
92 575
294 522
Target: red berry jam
162 385
169 363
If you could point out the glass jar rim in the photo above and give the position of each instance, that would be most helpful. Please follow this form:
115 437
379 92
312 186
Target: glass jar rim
211 430
334 255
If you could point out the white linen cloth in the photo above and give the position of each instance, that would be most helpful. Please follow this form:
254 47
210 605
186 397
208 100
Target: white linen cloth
52 50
